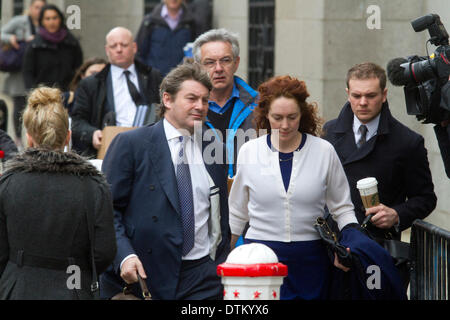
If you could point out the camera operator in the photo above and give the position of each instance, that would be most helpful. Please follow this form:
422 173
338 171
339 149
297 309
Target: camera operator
426 82
442 131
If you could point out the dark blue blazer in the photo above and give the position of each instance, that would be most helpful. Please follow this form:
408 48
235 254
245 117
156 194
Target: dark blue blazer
396 157
139 168
370 260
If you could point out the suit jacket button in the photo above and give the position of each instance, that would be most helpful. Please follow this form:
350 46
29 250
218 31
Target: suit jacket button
155 218
152 187
149 251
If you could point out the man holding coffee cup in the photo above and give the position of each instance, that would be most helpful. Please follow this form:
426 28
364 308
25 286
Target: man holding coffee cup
370 142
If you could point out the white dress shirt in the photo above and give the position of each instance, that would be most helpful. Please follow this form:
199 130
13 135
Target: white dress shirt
125 107
200 190
372 128
258 194
200 187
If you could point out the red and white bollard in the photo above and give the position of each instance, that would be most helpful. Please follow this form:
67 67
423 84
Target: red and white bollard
252 272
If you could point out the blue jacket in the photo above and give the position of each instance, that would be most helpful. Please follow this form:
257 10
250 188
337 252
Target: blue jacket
241 118
370 261
161 47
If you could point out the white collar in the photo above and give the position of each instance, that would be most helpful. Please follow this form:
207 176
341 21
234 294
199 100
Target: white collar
117 72
372 125
170 131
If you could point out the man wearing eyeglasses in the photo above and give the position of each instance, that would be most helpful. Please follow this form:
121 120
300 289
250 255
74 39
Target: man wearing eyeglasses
231 100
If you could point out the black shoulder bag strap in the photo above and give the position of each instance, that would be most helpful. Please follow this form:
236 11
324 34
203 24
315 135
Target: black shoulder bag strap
32 27
90 224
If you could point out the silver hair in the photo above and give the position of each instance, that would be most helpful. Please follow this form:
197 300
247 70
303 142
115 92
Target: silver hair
216 35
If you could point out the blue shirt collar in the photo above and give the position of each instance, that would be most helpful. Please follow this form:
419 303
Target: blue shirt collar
213 106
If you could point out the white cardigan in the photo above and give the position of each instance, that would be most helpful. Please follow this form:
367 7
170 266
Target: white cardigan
258 194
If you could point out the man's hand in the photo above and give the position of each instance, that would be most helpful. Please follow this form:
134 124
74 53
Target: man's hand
130 268
97 139
384 217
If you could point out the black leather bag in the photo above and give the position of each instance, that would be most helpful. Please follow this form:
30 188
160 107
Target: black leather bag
399 250
331 241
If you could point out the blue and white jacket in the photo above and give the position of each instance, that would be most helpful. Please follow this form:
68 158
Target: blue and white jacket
241 118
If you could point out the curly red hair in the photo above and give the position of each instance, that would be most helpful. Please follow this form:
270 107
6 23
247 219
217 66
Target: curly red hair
288 87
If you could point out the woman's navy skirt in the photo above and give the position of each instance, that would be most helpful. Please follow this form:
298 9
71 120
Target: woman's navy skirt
309 268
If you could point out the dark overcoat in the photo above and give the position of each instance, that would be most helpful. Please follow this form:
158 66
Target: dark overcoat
45 197
94 99
51 64
396 157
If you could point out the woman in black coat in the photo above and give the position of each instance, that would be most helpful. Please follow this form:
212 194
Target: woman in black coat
53 57
46 199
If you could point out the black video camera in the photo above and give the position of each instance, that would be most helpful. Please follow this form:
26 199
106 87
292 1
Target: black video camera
426 79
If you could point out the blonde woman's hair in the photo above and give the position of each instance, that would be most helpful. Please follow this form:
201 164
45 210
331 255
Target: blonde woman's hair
45 118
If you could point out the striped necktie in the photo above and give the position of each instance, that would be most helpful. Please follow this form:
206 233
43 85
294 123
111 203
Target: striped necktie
186 199
363 131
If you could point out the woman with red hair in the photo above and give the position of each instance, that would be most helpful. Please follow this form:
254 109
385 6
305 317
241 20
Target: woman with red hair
283 182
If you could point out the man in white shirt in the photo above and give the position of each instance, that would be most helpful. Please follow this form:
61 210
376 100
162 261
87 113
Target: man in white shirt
171 211
123 94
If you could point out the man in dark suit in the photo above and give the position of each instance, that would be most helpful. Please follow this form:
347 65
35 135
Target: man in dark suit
371 143
170 201
123 94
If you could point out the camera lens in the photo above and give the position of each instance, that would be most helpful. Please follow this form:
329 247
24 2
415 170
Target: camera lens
421 71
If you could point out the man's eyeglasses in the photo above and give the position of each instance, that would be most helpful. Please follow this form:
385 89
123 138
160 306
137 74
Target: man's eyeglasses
224 62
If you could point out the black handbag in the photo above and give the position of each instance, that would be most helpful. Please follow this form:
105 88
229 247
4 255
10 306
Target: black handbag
11 58
399 250
331 241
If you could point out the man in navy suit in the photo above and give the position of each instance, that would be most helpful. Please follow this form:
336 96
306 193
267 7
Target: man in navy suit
370 142
170 204
386 150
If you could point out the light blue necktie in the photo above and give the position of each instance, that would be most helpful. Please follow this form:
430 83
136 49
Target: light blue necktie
186 199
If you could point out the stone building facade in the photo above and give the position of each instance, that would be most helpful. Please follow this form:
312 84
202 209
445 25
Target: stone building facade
317 41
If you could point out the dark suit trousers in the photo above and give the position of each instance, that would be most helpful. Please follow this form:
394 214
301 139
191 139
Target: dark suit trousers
199 281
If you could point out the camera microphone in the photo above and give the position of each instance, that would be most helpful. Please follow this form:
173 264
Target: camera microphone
396 73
